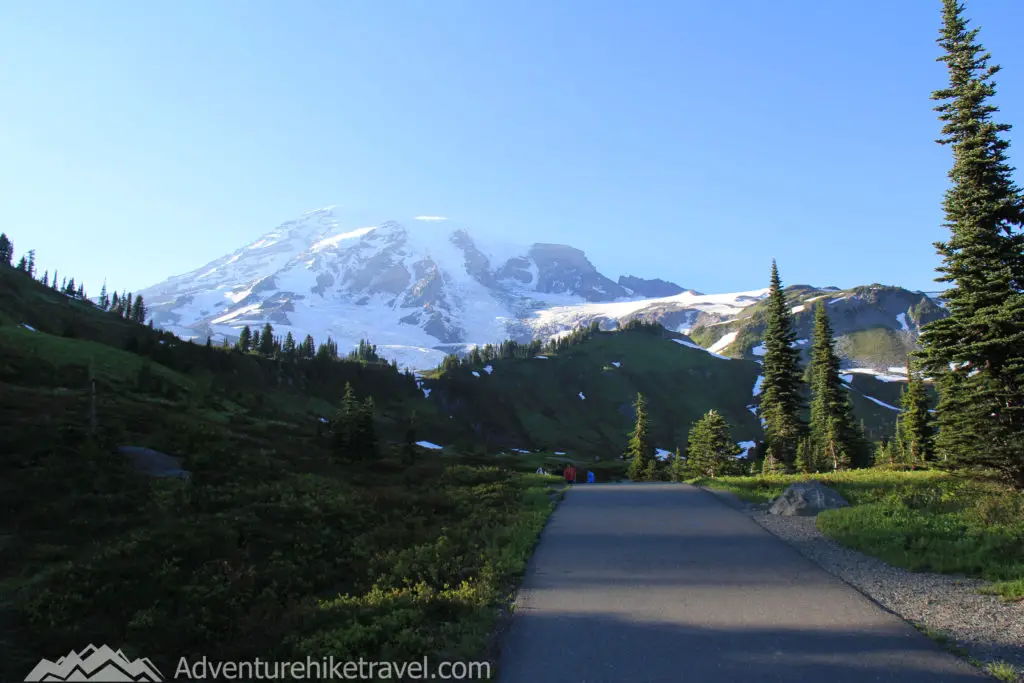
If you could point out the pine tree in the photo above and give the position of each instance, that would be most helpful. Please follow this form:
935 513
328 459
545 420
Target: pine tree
256 341
80 292
366 445
22 264
781 399
115 303
31 265
244 339
46 279
308 348
710 450
288 348
771 465
138 313
104 301
126 313
6 250
408 450
266 345
640 450
834 440
917 427
977 353
69 288
344 426
679 471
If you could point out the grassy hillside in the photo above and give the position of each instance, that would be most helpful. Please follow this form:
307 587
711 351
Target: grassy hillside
277 546
534 403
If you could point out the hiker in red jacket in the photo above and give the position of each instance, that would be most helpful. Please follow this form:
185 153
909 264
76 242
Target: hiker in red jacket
570 475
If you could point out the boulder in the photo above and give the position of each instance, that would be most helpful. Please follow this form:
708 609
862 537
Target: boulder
154 463
806 498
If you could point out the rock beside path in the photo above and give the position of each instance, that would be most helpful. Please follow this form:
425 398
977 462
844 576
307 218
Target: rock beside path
806 499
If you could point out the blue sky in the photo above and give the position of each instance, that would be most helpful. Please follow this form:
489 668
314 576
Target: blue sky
691 141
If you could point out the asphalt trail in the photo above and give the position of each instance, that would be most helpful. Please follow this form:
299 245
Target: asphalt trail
635 583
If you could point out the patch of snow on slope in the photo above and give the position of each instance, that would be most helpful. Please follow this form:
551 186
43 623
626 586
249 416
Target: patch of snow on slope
901 318
335 240
426 392
476 374
881 403
880 376
29 327
757 384
746 446
616 363
559 452
661 453
759 350
582 397
719 345
896 370
488 369
427 444
846 378
753 410
700 348
541 357
798 309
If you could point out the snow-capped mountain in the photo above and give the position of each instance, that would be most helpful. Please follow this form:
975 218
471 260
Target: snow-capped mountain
418 289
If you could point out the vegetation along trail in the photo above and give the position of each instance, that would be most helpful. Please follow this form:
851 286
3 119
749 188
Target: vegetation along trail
662 582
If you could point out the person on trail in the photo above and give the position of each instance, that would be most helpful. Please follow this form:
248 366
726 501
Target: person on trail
590 477
570 475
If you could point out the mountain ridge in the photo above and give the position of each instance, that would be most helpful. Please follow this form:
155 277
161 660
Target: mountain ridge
419 289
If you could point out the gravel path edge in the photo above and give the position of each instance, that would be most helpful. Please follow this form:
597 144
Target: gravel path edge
979 628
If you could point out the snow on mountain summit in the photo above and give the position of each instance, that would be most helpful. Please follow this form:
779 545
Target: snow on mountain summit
418 289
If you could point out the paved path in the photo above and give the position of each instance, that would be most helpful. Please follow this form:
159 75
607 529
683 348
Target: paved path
635 583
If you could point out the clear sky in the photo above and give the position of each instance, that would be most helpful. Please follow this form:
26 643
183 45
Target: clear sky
689 140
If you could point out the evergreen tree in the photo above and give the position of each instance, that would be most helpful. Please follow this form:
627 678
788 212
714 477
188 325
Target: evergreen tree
6 250
46 279
288 348
977 352
770 465
256 341
80 292
115 304
139 310
640 450
244 339
344 426
328 350
781 399
31 265
69 288
104 301
53 283
711 450
126 311
917 427
834 440
22 264
308 348
679 470
266 345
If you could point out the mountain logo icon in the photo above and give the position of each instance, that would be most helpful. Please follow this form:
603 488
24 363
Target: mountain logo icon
98 664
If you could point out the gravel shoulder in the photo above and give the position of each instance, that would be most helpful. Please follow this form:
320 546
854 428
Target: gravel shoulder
984 626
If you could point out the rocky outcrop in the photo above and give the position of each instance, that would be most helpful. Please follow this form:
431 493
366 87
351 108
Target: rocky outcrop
806 499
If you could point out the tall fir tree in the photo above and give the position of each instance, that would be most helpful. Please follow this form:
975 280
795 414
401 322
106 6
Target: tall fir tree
53 284
244 339
31 262
711 451
308 348
138 313
46 279
288 347
22 264
104 301
835 442
70 288
6 250
640 451
266 346
976 353
345 425
781 397
126 313
916 422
